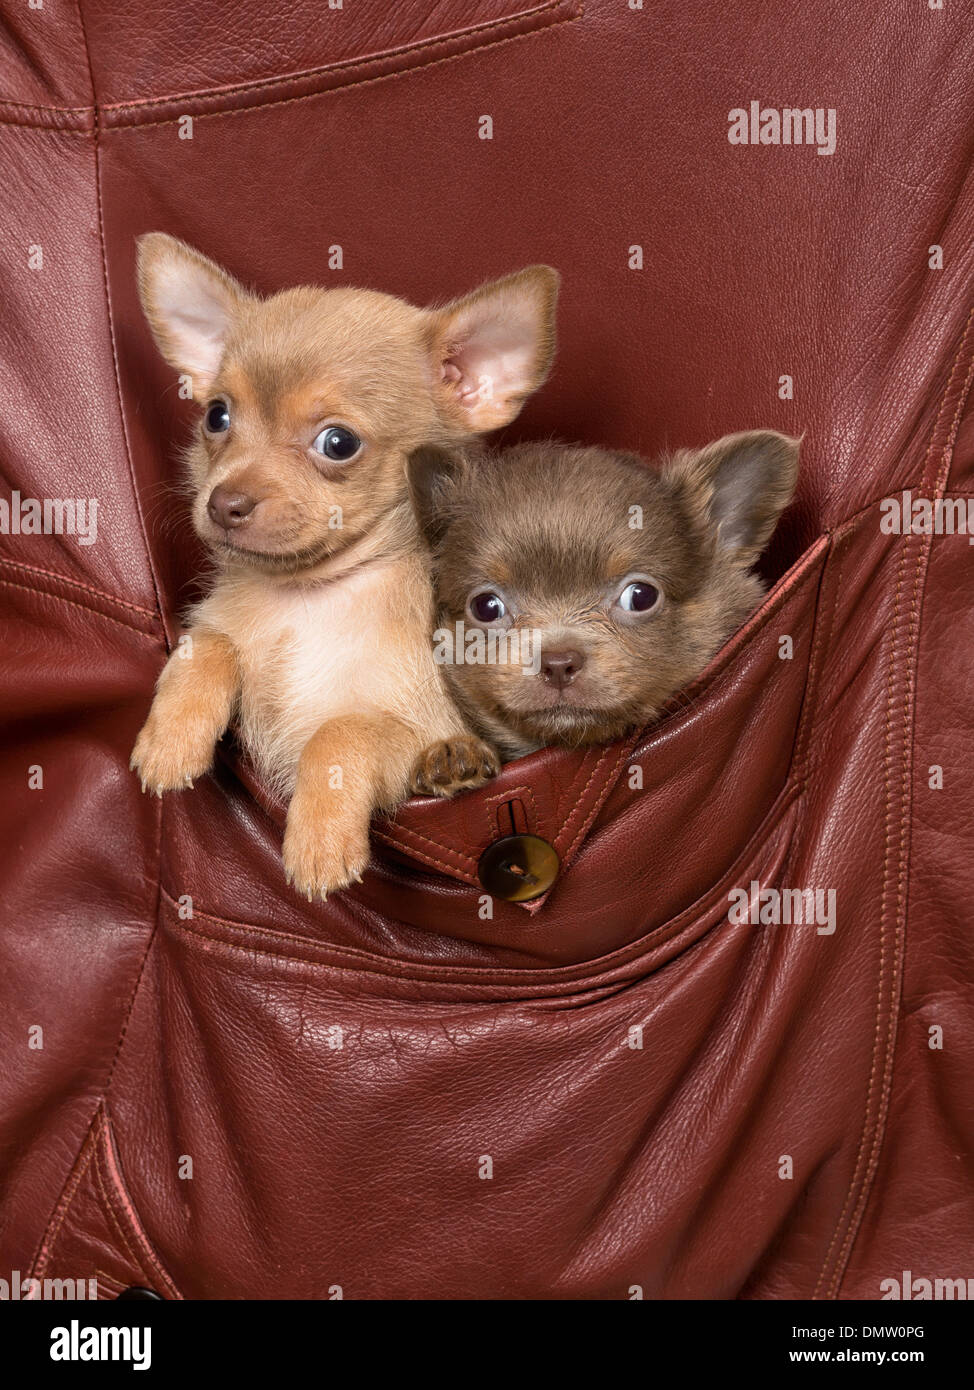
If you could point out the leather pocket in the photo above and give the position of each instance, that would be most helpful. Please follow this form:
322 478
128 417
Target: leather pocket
666 816
340 1109
340 1100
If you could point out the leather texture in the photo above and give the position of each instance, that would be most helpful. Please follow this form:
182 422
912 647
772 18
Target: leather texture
341 1074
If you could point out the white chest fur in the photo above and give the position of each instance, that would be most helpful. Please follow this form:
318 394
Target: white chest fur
308 654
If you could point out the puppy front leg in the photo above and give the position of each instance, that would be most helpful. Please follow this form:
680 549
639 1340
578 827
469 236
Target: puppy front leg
193 703
350 768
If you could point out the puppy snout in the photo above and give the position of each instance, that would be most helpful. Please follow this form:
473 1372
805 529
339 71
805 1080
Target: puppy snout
228 508
560 668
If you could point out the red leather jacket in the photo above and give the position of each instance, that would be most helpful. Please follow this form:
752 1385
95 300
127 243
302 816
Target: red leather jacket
673 1103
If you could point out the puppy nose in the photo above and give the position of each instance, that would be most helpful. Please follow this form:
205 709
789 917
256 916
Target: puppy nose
228 508
561 668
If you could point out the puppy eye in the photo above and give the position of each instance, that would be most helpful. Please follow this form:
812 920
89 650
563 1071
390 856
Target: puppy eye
639 597
487 607
338 443
217 418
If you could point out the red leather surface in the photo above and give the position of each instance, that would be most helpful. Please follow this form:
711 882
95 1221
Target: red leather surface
214 1037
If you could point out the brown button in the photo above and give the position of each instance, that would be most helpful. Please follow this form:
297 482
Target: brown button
518 868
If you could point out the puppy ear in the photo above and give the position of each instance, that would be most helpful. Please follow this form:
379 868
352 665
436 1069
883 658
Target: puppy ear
492 348
432 475
189 302
739 485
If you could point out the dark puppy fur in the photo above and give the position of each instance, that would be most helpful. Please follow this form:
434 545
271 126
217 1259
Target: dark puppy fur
630 578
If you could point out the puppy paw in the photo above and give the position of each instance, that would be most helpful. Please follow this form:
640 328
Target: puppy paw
323 855
454 765
166 758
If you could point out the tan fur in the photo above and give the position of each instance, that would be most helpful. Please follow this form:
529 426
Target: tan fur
340 781
317 635
354 637
195 698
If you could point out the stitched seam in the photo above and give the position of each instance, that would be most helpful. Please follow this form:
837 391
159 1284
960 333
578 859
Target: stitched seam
506 977
424 858
49 1238
259 84
445 975
567 796
532 991
116 1223
464 859
33 106
824 621
526 795
349 86
565 829
569 805
53 126
587 815
138 979
110 317
77 584
608 782
871 1131
493 804
113 1217
270 84
145 1255
250 928
84 607
467 861
905 827
943 476
902 883
887 878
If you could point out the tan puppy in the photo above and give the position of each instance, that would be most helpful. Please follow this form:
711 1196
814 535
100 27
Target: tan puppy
316 633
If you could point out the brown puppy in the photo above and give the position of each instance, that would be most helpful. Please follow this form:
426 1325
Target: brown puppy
578 589
315 634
